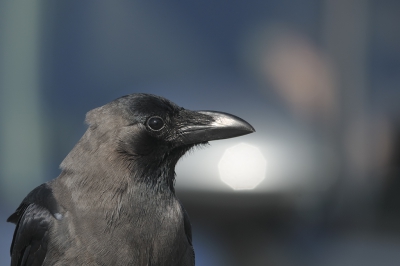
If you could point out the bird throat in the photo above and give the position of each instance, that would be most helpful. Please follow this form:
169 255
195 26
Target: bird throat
158 171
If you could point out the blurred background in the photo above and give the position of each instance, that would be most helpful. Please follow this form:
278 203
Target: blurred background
317 184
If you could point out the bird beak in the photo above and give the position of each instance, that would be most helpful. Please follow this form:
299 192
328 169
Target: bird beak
205 126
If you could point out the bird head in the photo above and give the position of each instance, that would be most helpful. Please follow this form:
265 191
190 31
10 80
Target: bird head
149 133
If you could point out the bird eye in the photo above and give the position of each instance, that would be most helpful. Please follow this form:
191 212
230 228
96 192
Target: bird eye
155 123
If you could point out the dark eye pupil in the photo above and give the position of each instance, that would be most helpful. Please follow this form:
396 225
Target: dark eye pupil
155 123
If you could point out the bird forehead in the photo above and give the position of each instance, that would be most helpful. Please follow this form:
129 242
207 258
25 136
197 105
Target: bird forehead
150 106
132 108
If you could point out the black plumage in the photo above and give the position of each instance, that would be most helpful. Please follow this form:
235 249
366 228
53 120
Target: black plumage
114 202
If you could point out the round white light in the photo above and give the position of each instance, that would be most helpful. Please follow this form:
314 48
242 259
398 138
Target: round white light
242 167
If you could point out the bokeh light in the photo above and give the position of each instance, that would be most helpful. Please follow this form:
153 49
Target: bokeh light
242 167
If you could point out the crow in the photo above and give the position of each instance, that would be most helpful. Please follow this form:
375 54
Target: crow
114 202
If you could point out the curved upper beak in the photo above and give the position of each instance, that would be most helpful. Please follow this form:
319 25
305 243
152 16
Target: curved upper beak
205 126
